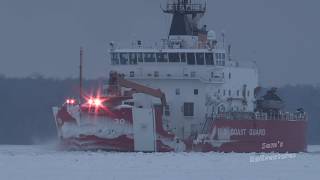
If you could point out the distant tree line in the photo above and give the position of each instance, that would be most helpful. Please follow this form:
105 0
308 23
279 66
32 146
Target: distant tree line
26 106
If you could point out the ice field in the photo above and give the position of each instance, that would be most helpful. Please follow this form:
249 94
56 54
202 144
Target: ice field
45 162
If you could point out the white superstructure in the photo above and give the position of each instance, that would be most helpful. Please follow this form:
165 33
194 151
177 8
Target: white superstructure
194 70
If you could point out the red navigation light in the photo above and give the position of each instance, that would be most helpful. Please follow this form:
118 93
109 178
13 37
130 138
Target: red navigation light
90 101
71 101
97 102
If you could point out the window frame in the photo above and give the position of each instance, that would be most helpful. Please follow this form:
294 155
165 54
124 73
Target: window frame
124 60
151 59
174 57
183 57
209 60
140 57
162 57
191 60
196 92
131 74
200 59
156 74
188 109
115 60
178 91
133 61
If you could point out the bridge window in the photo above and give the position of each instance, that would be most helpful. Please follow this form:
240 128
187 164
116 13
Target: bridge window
188 109
114 58
209 59
124 57
149 57
217 56
200 58
191 59
140 57
223 56
133 58
162 57
174 57
183 57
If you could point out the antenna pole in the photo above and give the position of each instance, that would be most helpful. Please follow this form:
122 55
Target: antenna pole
223 39
80 75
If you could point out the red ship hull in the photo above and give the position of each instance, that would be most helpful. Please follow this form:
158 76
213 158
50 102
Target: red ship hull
224 135
260 136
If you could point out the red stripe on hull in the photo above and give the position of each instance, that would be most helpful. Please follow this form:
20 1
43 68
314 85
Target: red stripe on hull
274 136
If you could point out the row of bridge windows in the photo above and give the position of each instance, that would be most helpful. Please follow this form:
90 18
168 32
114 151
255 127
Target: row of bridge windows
189 58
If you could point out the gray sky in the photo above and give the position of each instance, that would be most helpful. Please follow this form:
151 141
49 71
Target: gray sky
44 36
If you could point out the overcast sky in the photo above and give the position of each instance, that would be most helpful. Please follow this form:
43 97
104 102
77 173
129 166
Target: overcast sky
44 36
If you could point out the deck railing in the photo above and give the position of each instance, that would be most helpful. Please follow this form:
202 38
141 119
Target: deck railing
188 8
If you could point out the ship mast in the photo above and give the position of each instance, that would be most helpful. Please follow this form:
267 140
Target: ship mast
80 75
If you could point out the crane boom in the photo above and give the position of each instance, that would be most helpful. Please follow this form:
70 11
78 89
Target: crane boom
117 81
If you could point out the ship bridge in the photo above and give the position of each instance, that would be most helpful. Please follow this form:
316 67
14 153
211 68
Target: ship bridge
200 57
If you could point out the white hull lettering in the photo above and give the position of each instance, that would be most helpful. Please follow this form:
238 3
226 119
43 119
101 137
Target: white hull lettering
247 132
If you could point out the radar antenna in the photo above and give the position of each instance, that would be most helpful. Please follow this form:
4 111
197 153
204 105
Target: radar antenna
185 7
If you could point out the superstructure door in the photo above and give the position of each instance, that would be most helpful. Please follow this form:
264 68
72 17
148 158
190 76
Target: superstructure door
144 130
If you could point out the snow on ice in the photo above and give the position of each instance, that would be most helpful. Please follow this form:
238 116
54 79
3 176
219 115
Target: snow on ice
42 162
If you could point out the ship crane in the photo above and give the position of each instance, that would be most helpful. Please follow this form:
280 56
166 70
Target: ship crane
117 81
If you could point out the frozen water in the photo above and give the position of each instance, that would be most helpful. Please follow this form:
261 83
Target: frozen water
45 162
